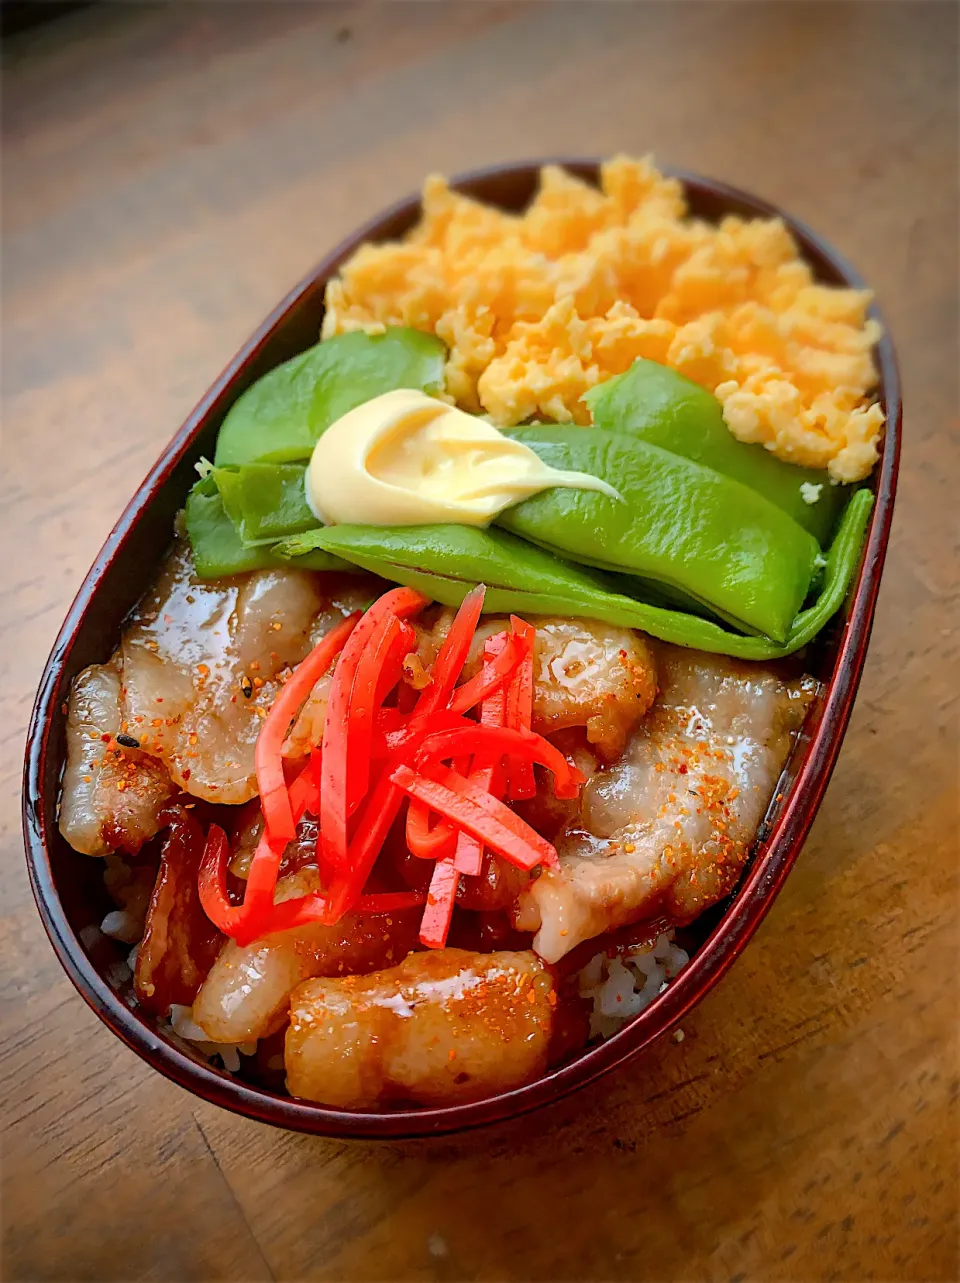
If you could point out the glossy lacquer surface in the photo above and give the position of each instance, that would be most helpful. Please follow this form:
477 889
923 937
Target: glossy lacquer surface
67 886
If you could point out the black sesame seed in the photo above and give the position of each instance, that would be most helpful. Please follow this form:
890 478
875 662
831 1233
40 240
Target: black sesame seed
246 685
128 741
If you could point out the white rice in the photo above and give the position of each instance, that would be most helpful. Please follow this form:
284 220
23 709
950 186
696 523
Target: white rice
89 936
185 1027
127 928
620 987
122 925
118 974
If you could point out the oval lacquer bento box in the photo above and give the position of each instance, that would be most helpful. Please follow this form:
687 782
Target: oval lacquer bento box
68 887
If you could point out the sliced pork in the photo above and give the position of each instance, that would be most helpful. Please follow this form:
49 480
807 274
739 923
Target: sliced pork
668 827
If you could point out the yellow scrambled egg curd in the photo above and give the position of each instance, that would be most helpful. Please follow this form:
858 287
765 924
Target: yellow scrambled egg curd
538 308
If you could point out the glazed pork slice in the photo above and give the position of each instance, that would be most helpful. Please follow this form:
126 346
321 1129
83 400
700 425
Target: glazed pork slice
198 668
247 991
112 796
201 664
444 1026
179 942
591 675
667 829
586 674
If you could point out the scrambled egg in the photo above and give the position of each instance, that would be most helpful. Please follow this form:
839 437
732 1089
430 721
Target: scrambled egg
539 307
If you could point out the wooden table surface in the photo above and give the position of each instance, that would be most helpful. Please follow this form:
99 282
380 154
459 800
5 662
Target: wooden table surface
168 173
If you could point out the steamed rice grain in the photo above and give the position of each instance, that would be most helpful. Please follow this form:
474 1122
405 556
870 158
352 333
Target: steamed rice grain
184 1026
622 986
122 925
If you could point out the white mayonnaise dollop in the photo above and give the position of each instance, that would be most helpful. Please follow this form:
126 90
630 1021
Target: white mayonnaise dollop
406 459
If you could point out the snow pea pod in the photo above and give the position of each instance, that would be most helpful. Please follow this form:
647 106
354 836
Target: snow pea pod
219 551
680 525
217 547
280 418
468 553
446 562
656 404
265 501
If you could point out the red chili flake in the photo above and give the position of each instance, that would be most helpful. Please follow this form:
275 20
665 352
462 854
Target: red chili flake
186 774
682 768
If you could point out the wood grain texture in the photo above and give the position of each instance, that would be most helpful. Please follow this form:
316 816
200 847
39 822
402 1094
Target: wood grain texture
168 173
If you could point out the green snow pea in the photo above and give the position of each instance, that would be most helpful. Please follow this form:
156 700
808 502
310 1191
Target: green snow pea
681 526
217 547
660 406
446 562
464 553
280 418
219 550
265 501
316 560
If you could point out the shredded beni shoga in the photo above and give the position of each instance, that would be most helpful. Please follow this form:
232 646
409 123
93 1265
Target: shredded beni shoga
383 742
